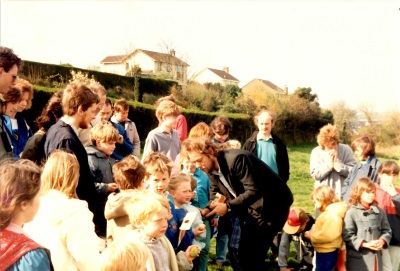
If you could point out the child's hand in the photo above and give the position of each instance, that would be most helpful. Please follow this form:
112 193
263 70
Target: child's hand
389 188
199 230
120 139
111 187
214 222
192 252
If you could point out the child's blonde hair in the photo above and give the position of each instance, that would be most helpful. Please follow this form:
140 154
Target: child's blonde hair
124 255
129 173
362 185
19 182
105 133
143 205
201 129
177 179
324 195
231 144
166 109
61 172
157 162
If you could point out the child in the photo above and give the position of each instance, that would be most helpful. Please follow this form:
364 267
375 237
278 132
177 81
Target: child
326 235
388 198
64 223
158 172
19 198
121 111
297 223
366 229
364 151
201 191
148 214
129 175
164 138
103 137
124 255
180 190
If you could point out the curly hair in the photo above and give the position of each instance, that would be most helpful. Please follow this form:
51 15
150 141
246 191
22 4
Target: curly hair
19 182
129 173
328 135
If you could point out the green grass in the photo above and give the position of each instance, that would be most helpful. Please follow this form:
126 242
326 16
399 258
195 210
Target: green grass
301 185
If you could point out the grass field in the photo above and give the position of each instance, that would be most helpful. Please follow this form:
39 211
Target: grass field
301 184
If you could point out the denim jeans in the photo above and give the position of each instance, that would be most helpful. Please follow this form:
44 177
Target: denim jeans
326 261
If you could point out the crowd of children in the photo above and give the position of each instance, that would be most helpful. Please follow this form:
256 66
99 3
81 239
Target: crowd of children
94 205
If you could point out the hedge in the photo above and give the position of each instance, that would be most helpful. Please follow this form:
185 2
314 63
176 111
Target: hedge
35 71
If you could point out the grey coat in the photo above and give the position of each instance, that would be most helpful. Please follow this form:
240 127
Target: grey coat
101 168
361 225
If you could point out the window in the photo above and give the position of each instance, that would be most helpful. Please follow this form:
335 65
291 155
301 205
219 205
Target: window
179 68
127 66
168 68
158 66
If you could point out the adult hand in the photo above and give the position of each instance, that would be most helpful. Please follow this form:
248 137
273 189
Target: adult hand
214 222
111 187
220 209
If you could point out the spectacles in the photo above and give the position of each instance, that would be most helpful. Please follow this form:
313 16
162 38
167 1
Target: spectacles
14 76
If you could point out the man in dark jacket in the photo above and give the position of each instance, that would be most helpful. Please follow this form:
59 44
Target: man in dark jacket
255 194
267 146
79 105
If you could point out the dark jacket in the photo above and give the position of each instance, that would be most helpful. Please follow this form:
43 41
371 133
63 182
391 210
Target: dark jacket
282 158
124 149
101 167
360 170
62 136
260 192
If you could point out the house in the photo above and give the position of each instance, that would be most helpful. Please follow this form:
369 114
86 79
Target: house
265 86
216 76
151 63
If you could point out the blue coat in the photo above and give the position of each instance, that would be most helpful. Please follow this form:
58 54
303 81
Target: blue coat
124 149
18 139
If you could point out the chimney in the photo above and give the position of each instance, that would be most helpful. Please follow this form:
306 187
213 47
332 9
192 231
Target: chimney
172 52
286 90
225 69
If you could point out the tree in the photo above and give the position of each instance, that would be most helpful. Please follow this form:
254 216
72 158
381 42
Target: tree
368 109
305 93
343 116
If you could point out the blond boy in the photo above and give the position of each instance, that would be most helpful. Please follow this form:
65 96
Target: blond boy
164 138
124 255
148 214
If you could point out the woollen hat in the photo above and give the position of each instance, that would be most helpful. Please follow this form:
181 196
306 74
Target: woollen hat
293 223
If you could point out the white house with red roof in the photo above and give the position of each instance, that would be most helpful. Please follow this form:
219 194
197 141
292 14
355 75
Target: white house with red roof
223 77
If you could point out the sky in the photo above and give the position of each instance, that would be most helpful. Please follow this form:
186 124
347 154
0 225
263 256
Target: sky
342 50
